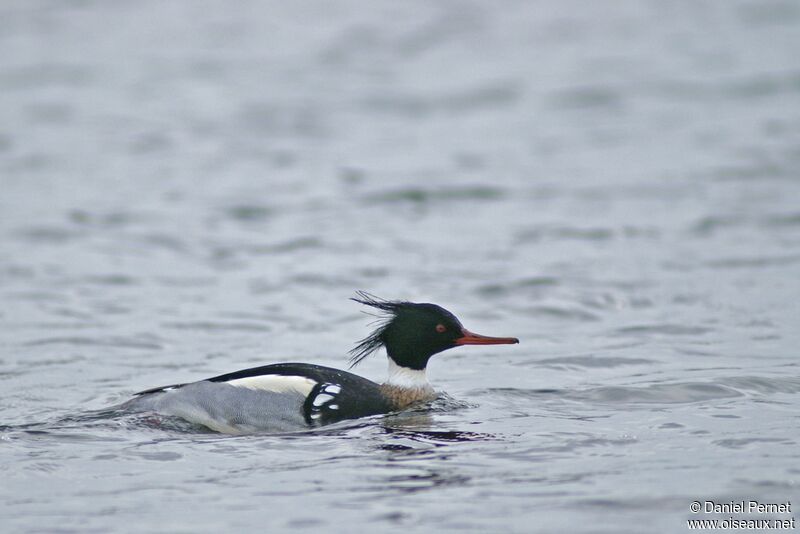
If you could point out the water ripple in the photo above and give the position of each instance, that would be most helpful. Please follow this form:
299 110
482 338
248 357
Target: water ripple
118 342
419 195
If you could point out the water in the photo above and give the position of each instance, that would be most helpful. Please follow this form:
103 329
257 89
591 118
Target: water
193 188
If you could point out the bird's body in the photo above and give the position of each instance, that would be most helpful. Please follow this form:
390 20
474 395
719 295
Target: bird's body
278 397
296 396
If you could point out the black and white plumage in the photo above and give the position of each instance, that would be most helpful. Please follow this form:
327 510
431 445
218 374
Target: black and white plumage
295 396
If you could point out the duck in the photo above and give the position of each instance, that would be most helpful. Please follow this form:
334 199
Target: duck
286 397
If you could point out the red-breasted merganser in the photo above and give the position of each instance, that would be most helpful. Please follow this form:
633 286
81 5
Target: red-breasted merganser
296 396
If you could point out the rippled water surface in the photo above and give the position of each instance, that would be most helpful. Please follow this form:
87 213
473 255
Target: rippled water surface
190 188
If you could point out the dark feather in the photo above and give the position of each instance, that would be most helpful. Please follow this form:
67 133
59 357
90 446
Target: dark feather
374 341
376 302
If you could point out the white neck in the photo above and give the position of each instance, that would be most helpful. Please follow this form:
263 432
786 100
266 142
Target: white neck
404 377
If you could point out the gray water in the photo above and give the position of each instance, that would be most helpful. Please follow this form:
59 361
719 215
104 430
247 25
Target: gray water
191 188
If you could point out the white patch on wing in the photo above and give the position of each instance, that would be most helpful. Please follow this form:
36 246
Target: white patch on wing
325 399
275 383
322 398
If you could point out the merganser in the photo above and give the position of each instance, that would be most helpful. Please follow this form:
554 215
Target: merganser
296 396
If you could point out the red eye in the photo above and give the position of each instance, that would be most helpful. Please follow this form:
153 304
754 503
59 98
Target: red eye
441 328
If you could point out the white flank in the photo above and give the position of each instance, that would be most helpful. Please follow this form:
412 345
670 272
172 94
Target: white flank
275 383
404 377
